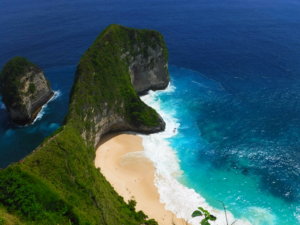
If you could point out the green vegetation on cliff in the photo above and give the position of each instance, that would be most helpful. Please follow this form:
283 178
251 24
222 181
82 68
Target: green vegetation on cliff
16 67
10 77
24 89
103 82
58 183
8 219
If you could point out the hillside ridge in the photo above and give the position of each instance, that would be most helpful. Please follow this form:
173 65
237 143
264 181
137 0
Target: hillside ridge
58 182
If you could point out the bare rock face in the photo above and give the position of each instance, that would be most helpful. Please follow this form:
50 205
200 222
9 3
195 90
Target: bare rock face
149 68
24 90
147 59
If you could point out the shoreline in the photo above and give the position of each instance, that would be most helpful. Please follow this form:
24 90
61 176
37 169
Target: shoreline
173 198
122 161
178 198
41 112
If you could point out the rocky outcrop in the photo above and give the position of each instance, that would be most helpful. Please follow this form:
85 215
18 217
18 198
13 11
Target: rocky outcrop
122 63
24 90
103 99
148 63
149 73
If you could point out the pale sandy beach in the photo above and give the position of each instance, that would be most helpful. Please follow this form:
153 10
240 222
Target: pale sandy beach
122 161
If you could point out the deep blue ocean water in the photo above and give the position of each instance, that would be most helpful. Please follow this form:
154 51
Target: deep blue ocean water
236 72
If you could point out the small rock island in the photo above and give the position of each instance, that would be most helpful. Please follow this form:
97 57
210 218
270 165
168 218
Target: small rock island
24 90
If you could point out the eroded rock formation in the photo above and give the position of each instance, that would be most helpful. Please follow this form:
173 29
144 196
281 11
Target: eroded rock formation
24 90
122 63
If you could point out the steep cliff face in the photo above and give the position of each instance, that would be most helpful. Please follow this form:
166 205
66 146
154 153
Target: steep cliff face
121 62
24 89
58 183
147 60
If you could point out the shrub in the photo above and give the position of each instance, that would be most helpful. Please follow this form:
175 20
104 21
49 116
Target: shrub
31 88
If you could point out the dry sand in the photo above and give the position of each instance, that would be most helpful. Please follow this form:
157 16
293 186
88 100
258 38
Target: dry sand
122 162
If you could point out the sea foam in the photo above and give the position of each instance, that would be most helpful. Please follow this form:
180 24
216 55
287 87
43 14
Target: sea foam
44 107
179 199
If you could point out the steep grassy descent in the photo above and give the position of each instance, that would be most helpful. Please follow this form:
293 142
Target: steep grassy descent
58 183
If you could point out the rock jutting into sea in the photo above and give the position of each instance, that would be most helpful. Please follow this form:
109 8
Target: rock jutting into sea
58 182
120 64
24 90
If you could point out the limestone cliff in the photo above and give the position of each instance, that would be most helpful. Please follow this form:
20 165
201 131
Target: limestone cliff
121 62
147 60
24 89
58 183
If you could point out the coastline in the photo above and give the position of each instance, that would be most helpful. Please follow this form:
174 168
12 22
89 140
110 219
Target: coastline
144 153
41 112
178 198
122 161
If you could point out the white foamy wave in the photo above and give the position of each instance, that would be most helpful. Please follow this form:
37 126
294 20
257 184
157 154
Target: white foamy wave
43 109
182 201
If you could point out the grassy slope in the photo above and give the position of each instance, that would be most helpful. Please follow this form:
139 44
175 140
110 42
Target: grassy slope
7 218
58 183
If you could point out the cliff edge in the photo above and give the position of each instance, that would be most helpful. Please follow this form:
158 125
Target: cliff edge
121 63
24 90
147 59
58 182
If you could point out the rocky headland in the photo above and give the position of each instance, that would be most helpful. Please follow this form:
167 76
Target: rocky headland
122 63
58 182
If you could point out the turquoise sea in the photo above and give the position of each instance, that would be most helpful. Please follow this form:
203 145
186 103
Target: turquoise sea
230 148
233 106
